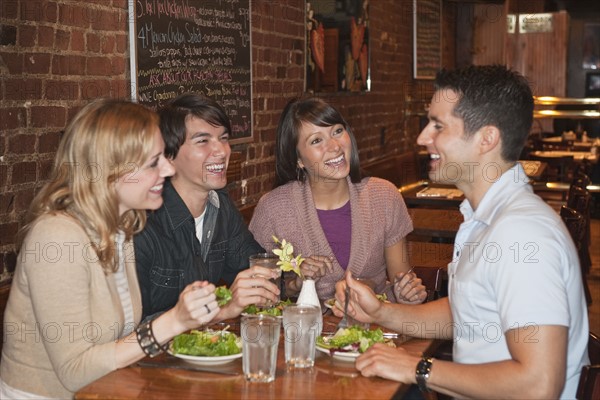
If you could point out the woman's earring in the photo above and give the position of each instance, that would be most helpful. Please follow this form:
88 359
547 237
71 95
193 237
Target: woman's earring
299 174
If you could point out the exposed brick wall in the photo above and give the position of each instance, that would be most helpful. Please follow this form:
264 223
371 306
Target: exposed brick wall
57 55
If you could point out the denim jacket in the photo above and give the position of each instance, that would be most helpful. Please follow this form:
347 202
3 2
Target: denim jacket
169 255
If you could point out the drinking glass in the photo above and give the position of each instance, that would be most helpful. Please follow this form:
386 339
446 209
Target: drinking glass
300 327
267 260
260 340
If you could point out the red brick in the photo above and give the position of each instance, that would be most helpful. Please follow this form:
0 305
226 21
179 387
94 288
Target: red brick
77 41
120 89
7 202
27 35
122 43
8 35
21 144
68 65
99 66
46 169
48 116
118 66
71 15
9 261
37 63
107 20
63 38
12 118
62 90
108 45
95 89
37 10
23 200
120 4
13 62
48 143
8 232
23 89
9 9
3 175
45 36
24 172
93 42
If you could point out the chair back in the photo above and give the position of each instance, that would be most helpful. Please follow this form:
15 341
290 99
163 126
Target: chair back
577 226
575 223
435 280
589 381
594 348
559 167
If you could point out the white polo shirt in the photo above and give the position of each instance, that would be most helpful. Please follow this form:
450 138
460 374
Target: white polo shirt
515 266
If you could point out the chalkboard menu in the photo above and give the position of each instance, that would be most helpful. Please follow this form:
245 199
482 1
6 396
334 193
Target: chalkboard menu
200 46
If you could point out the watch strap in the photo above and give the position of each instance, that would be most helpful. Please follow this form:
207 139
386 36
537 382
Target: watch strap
422 373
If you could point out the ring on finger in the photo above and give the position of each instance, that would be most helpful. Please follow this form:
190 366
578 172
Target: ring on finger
207 308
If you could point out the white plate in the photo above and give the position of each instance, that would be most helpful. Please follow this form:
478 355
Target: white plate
340 355
198 360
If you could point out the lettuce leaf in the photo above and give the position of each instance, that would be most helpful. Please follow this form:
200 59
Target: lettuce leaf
352 338
223 295
207 343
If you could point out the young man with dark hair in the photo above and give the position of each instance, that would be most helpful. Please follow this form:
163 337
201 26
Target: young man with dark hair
198 234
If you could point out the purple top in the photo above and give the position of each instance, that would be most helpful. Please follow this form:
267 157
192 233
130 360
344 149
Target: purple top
337 226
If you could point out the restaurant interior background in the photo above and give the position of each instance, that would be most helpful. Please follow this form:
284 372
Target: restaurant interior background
56 55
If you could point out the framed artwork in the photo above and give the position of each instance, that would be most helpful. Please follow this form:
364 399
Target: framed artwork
427 38
337 46
591 46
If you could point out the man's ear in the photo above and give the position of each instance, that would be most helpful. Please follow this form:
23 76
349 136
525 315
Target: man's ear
489 138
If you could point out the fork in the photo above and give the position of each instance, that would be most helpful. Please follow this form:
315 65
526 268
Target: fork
344 321
396 280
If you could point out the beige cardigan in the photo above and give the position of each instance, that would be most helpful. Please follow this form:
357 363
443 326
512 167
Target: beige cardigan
63 313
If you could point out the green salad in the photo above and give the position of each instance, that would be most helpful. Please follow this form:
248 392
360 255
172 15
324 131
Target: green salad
223 295
275 311
207 343
353 339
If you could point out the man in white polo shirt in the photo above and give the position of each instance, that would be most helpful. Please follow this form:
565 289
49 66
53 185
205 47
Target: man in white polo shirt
516 309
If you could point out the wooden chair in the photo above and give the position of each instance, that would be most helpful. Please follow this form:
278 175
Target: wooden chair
589 381
435 280
575 223
559 167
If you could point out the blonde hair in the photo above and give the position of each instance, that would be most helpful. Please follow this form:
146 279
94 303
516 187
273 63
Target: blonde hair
106 140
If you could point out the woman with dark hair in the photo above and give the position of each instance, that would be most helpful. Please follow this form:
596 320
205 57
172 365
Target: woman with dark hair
334 217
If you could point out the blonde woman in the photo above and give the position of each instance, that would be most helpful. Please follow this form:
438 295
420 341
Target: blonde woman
74 306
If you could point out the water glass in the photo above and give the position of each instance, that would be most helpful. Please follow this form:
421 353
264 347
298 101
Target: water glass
300 327
260 340
267 260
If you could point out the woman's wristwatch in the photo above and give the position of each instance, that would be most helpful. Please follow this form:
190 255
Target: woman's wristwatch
422 373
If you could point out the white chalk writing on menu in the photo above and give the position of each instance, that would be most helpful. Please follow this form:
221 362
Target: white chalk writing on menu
199 46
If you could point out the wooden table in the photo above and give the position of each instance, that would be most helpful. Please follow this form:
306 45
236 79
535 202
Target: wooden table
436 223
328 379
413 195
578 156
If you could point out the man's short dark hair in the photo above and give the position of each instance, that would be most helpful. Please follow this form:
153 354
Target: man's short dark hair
174 115
491 95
